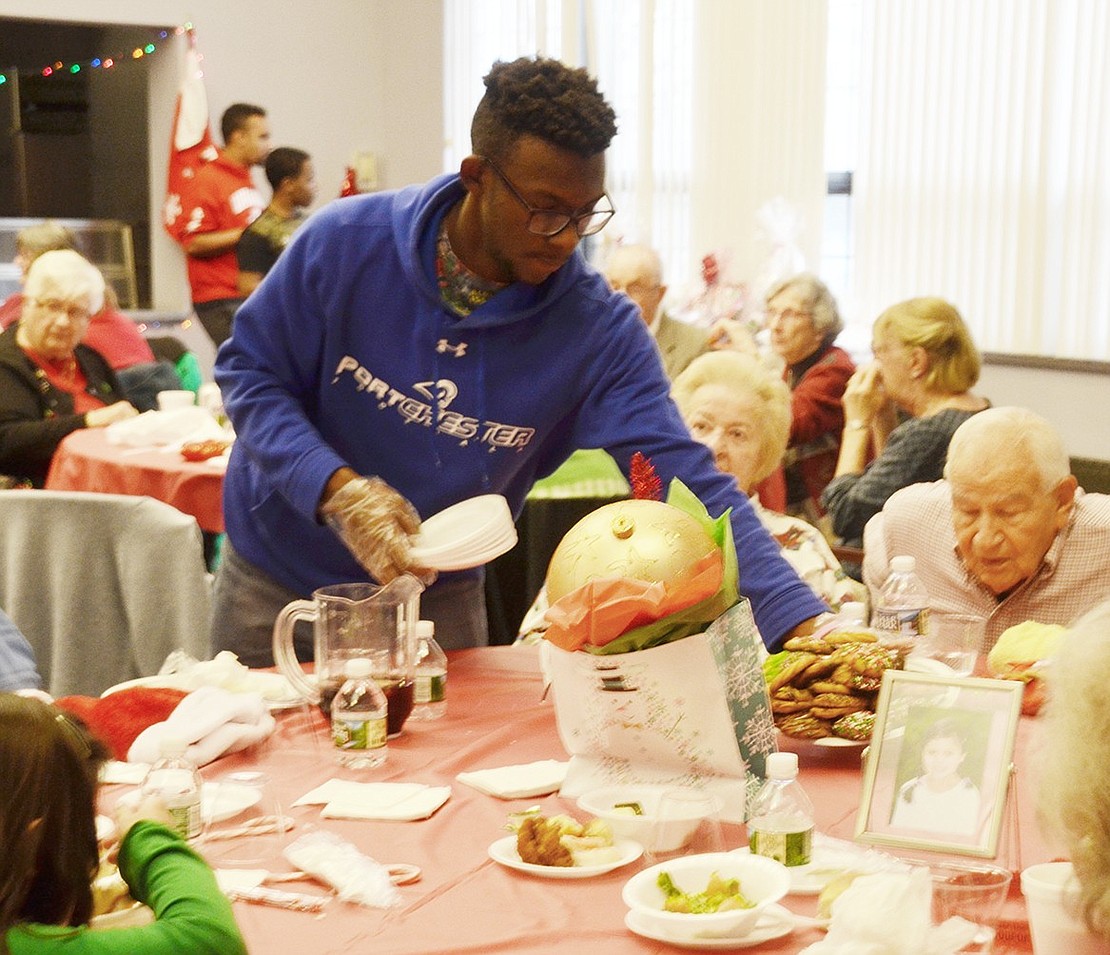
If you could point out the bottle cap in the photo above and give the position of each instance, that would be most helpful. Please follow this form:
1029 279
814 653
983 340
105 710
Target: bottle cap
357 668
853 611
172 746
782 765
903 564
425 629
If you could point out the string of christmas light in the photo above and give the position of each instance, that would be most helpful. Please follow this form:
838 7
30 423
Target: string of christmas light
61 68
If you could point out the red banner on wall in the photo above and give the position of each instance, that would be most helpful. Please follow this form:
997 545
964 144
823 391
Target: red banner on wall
190 141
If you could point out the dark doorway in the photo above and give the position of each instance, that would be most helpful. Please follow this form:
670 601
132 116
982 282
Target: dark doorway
74 144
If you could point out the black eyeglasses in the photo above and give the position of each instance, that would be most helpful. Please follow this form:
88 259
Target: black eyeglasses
549 223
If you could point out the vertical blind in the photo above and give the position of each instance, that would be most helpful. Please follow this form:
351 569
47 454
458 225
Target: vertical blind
984 168
719 106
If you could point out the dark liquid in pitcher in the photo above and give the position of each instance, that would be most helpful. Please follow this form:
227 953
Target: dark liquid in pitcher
398 694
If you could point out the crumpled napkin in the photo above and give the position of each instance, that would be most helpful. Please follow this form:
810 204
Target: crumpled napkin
157 428
212 721
518 782
890 914
401 802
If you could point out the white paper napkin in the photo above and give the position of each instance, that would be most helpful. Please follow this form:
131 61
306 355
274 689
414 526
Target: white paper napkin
161 428
889 914
518 782
343 799
123 774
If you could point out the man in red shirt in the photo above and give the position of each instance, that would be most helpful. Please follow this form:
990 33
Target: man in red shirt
222 203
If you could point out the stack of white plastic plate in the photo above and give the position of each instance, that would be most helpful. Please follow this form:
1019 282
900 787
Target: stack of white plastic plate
468 534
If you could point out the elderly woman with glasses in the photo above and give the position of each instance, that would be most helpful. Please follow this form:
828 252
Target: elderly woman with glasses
742 413
803 321
51 384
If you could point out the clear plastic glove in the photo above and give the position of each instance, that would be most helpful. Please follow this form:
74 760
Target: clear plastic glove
375 522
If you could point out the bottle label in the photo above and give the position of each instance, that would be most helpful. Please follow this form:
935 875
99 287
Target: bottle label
186 818
789 848
912 622
358 733
430 687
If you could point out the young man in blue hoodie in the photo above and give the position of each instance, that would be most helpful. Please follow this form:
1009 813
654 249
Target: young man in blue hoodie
416 348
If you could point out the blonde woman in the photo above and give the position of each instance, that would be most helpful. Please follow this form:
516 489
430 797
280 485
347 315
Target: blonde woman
742 413
925 366
1074 757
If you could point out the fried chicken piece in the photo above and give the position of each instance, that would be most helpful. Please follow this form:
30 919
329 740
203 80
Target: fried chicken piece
538 841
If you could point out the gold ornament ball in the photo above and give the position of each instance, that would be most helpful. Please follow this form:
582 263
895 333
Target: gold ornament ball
643 540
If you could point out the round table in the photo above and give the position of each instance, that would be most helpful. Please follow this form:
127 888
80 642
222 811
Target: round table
87 461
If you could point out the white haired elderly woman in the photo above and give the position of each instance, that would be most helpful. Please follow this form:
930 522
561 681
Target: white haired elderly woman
50 384
1074 761
803 321
742 412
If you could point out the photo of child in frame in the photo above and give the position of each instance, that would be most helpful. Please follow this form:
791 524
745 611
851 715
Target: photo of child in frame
940 773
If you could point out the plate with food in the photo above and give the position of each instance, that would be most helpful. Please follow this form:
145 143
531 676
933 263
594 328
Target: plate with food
561 847
823 688
775 922
624 851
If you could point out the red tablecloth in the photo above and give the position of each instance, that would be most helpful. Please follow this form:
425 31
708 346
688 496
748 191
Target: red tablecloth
86 461
465 902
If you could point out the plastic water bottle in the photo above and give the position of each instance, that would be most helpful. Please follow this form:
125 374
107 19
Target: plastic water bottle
781 823
175 780
902 612
430 701
358 718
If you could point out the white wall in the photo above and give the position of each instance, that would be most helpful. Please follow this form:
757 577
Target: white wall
336 77
1075 402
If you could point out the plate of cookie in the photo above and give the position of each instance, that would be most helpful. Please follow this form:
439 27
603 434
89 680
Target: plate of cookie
823 687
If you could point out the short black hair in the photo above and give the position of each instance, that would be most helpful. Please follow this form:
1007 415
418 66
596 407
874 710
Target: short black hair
285 162
544 98
235 117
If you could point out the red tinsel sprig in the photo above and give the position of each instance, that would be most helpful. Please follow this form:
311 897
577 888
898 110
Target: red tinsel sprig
646 485
350 184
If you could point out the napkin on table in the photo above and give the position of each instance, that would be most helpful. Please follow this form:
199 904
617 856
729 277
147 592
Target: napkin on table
890 913
518 782
402 802
159 428
212 721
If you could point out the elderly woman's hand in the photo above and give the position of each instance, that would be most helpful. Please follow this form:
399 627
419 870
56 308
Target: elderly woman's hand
729 334
864 398
102 417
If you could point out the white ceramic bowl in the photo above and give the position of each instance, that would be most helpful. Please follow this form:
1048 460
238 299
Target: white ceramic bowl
647 829
762 880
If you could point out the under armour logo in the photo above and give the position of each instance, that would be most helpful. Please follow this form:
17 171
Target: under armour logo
458 350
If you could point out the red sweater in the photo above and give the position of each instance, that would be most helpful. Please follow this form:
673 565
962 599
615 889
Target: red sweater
818 420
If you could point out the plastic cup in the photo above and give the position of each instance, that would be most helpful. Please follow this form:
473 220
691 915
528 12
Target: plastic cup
688 823
174 399
1052 901
244 825
974 893
955 639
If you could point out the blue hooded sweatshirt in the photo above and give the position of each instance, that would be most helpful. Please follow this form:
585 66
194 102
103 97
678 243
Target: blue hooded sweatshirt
346 355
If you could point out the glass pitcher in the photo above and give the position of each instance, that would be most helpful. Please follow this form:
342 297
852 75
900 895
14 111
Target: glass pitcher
355 620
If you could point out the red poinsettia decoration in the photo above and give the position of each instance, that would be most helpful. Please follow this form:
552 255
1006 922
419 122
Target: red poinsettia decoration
646 485
350 184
